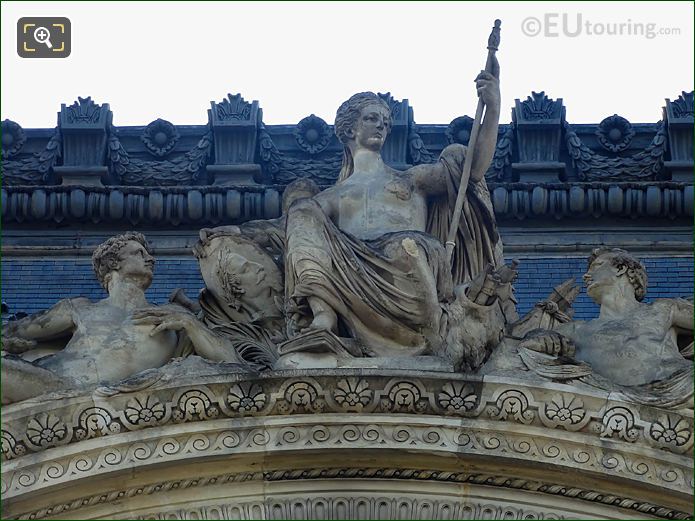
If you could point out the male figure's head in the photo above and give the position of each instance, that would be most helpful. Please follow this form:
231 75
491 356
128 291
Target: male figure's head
614 269
127 255
363 121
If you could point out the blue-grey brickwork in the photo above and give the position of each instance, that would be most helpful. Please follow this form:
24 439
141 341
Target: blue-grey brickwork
668 277
31 285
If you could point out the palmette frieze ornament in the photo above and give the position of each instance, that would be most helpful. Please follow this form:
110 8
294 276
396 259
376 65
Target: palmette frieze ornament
456 398
413 413
394 432
143 411
671 432
246 398
566 411
352 394
365 394
619 422
45 431
683 106
365 507
94 422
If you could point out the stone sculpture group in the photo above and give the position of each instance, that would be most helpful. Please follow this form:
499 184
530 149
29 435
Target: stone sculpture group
357 275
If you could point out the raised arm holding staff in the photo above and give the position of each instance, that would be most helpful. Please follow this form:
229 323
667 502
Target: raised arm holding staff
487 84
365 259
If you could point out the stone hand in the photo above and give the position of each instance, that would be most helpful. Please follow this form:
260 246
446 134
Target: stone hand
551 308
488 87
548 342
165 318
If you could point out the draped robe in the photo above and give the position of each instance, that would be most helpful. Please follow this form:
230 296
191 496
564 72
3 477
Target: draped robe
390 293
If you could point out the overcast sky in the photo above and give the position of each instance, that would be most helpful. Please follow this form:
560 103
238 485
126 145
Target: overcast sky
170 59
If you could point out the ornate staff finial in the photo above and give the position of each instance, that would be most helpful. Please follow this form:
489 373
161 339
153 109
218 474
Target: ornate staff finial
493 42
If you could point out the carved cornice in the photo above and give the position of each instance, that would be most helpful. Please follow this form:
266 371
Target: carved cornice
538 140
352 474
211 205
514 423
662 200
357 507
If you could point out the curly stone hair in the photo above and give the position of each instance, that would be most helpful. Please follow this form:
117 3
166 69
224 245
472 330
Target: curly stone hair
636 272
345 119
106 256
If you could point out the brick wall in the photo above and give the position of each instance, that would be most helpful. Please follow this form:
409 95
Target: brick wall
31 285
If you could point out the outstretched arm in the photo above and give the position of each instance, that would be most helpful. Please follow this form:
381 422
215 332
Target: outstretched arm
21 335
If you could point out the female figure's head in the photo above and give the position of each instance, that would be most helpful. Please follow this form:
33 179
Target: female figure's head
363 121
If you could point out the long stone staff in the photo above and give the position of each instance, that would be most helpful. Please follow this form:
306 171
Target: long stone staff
493 43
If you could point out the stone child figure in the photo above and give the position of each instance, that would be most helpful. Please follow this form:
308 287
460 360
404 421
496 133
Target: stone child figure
631 343
105 341
365 258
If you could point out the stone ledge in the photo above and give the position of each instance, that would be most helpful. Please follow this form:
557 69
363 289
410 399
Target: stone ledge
212 205
509 429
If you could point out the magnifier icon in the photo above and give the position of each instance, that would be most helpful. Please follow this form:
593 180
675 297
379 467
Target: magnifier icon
43 35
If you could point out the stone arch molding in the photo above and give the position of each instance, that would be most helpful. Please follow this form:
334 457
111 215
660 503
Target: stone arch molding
345 444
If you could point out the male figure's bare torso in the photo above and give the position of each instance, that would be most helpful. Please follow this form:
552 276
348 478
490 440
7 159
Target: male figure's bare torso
106 346
648 353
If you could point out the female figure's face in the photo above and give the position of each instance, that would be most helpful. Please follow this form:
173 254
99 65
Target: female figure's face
372 127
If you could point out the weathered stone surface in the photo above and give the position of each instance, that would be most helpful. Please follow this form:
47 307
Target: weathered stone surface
81 344
571 452
640 349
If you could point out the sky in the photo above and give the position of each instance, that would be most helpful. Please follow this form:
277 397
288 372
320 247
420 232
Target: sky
168 60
